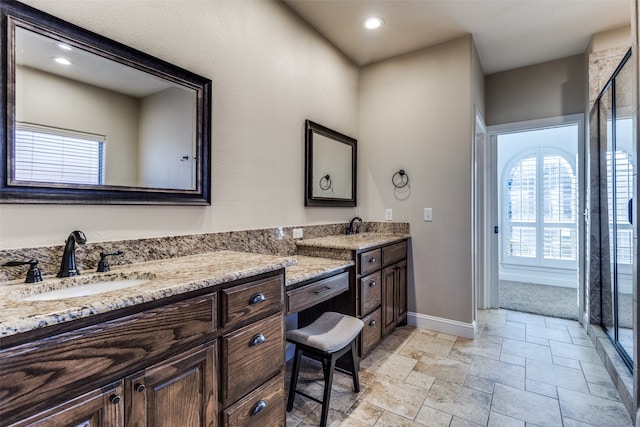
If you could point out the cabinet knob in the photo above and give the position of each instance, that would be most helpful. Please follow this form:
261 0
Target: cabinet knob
257 340
114 398
372 283
139 387
372 323
260 406
372 260
257 298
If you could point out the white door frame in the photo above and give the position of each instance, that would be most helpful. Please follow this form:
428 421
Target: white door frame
490 297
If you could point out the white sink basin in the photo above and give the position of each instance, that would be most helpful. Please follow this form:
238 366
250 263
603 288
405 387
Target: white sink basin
84 290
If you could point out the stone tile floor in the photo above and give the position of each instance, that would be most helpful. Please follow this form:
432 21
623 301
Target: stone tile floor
521 370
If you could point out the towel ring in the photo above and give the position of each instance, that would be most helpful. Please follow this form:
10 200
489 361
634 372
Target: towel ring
325 182
400 179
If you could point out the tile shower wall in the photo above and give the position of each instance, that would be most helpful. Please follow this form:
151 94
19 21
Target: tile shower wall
274 241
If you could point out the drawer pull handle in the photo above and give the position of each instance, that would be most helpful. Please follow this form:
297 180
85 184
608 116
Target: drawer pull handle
114 398
257 298
322 291
257 340
260 406
372 283
372 260
139 388
372 323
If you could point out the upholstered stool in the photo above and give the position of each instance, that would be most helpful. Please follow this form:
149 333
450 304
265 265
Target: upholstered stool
326 339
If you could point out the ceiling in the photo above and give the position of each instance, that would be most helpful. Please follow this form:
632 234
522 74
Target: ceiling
508 33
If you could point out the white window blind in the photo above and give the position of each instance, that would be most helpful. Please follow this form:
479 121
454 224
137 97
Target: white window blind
541 209
45 154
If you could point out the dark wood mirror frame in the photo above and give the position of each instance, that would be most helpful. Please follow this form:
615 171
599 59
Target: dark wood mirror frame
14 14
312 129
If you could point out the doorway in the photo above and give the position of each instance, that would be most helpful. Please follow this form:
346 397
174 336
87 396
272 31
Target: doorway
537 215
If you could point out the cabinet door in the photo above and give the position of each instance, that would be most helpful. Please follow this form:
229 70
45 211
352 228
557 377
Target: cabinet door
98 408
401 292
388 300
180 392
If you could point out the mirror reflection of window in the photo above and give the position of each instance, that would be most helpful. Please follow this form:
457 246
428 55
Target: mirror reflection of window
150 122
44 154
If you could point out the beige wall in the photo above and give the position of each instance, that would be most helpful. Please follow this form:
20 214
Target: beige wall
270 72
614 38
550 89
416 115
167 123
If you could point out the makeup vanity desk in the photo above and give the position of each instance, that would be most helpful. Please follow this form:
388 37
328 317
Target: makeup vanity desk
374 289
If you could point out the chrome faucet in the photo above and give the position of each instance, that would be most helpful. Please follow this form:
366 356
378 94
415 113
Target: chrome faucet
350 229
68 265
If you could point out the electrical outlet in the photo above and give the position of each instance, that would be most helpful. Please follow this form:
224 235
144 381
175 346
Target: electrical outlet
297 233
388 214
428 214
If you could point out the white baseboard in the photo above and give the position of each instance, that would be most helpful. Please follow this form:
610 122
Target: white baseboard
440 324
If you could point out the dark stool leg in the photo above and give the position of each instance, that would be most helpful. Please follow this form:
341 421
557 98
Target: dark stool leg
328 367
354 370
293 385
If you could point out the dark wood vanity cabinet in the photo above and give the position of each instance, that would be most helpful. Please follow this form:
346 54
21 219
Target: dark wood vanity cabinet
178 392
97 408
201 361
394 289
382 296
377 293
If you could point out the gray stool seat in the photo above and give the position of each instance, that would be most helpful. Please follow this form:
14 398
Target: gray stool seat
326 339
330 332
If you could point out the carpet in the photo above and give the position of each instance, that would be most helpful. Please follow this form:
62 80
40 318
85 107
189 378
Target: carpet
554 301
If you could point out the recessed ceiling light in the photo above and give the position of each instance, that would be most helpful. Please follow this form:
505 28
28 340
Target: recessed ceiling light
62 61
64 46
373 23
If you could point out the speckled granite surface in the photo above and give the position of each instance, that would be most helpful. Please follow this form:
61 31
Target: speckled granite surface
353 242
309 268
165 278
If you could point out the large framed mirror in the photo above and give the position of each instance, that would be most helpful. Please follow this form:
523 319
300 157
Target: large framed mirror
88 120
330 167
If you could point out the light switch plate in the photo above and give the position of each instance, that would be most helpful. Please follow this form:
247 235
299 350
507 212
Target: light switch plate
388 214
428 214
297 233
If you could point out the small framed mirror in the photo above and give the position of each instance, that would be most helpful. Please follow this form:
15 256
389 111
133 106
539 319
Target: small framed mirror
330 167
88 120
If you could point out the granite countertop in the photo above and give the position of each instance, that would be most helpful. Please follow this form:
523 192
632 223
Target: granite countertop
309 268
164 278
353 242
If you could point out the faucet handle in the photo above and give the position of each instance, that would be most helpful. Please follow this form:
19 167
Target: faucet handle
103 265
33 275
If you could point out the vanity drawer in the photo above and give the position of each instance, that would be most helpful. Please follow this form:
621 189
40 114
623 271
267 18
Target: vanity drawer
251 355
393 253
370 292
263 407
243 301
372 331
322 290
370 261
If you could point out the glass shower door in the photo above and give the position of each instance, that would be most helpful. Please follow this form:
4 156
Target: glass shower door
616 128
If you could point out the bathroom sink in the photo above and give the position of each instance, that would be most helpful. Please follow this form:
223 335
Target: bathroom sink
83 290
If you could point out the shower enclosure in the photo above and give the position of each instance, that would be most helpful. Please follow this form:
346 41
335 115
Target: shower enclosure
617 163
